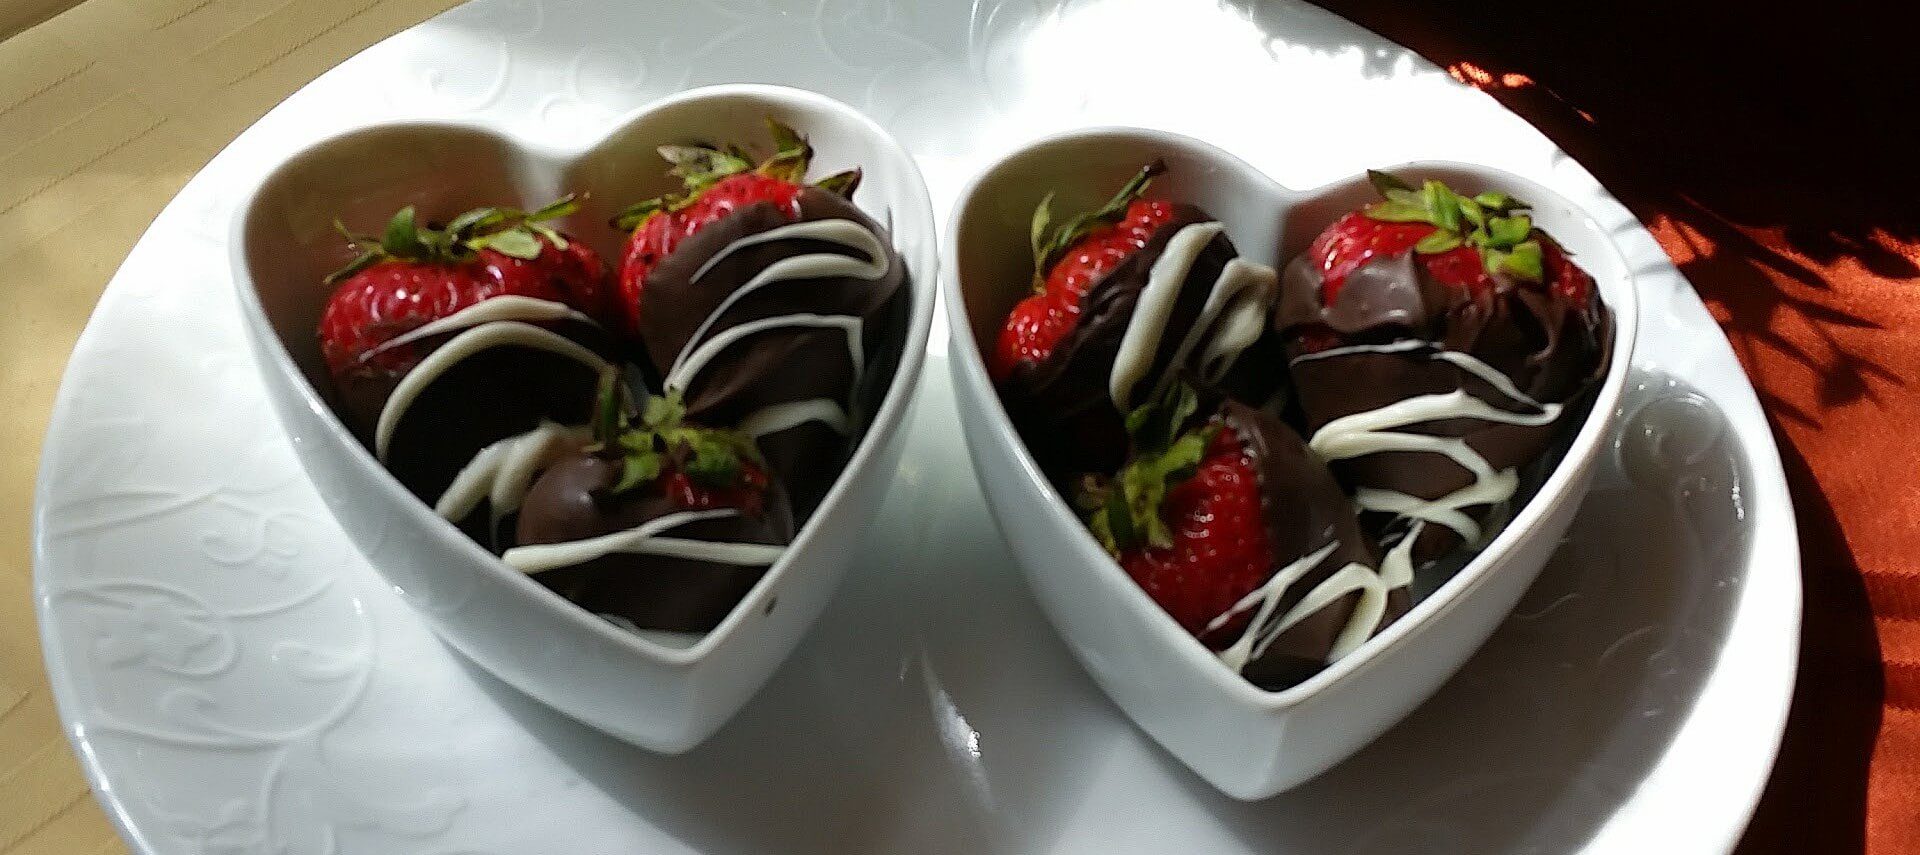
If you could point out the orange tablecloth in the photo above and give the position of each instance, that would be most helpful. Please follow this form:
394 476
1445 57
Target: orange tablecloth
1772 155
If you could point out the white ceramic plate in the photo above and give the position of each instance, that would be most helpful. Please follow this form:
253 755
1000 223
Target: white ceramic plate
237 680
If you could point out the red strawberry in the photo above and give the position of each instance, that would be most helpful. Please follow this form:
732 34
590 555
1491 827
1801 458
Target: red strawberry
719 181
1185 517
417 274
1471 243
1068 261
1218 551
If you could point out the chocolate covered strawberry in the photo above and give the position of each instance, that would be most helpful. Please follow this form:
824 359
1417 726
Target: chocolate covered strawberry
444 340
660 521
765 302
415 274
1243 537
1437 340
1124 297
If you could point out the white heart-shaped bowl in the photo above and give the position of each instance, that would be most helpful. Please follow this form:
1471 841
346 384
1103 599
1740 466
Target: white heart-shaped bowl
1248 742
647 690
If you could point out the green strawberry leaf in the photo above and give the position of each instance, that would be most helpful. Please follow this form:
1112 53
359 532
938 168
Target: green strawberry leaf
1042 220
367 258
714 462
1398 212
1386 182
1506 232
791 153
1070 232
1125 513
637 213
700 167
1155 425
841 184
1442 204
637 470
1438 242
1472 212
565 206
1494 259
664 411
610 408
402 237
515 242
1526 262
477 220
558 240
1500 202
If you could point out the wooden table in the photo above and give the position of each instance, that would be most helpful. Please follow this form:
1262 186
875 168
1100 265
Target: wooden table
105 111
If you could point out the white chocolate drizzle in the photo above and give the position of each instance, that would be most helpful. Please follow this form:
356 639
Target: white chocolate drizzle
1375 431
700 350
686 369
646 539
506 307
872 264
775 418
1371 432
1243 292
443 358
503 472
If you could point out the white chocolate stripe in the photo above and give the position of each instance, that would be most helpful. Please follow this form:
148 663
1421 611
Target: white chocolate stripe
1466 362
1245 321
1259 632
644 539
1155 309
445 357
684 372
775 418
874 266
1243 290
506 307
503 472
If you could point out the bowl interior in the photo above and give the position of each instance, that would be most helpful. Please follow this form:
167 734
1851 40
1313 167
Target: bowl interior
286 243
360 178
1270 224
1083 169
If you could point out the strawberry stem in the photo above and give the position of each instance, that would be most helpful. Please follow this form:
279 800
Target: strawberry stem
701 166
1492 223
508 231
1049 242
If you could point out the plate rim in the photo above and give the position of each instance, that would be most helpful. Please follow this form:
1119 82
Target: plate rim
1773 551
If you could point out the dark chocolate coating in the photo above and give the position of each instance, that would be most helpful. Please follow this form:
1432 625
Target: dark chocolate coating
1061 405
1553 348
489 396
1304 510
573 500
779 365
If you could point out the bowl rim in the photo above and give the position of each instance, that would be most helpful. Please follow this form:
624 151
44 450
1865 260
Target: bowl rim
1586 446
922 282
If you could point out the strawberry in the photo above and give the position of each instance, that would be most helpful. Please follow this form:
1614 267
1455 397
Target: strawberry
415 274
1069 261
1232 526
1471 243
1185 517
719 181
635 474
